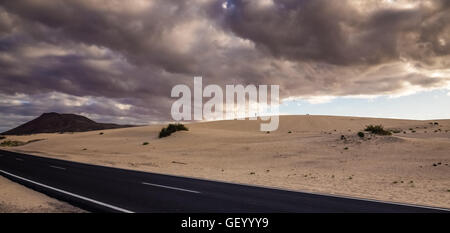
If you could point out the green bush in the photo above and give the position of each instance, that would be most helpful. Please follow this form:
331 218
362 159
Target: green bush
172 128
145 143
360 134
377 129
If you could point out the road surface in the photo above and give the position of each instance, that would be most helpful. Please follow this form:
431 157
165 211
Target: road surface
105 189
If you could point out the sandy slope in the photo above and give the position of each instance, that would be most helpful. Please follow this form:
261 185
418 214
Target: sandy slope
15 198
311 158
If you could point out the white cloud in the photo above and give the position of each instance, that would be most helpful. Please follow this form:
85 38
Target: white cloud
123 106
311 99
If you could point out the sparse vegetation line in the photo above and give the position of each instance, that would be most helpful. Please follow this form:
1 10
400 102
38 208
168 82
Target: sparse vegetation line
13 143
10 143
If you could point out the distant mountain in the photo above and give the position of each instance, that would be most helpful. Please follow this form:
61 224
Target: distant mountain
60 123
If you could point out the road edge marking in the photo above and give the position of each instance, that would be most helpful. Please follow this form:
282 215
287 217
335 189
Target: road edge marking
170 187
69 193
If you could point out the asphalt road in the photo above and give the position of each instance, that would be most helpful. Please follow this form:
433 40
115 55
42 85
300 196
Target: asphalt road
105 189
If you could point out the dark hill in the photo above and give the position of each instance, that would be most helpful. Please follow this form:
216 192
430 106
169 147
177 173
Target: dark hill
60 123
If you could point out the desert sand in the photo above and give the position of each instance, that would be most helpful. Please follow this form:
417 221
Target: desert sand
411 166
15 198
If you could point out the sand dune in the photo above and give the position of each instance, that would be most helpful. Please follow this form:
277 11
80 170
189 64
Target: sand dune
410 167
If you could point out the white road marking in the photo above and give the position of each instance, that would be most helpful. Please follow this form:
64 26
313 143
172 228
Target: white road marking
169 187
56 167
19 159
70 194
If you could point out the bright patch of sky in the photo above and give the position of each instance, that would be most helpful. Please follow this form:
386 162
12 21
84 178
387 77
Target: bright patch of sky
421 106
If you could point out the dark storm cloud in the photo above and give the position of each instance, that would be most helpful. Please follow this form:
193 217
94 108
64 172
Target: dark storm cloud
118 60
337 32
138 34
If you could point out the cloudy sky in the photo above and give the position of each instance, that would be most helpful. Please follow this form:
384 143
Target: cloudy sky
117 61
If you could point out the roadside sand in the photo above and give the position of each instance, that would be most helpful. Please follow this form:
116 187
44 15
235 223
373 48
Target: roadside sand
15 198
410 167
